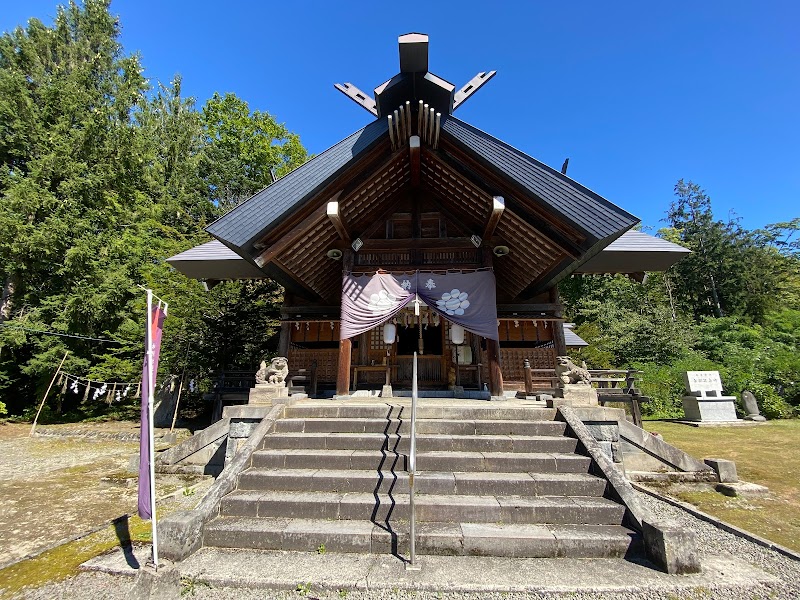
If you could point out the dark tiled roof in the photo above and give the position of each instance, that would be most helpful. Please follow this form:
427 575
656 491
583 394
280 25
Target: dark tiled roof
634 252
243 225
558 193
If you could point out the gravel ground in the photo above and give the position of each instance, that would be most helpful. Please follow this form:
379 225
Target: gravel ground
712 541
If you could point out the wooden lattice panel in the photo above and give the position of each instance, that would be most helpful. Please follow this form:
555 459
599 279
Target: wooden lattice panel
327 362
512 360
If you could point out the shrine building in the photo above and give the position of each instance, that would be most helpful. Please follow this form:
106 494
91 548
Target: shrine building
422 233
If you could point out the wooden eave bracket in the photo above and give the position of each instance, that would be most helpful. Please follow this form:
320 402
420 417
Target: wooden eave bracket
336 219
356 95
498 206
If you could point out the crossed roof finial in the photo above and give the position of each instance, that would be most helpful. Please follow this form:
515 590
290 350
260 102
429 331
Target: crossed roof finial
414 82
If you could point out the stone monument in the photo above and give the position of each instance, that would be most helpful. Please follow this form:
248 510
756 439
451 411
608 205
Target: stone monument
574 385
751 407
704 400
270 382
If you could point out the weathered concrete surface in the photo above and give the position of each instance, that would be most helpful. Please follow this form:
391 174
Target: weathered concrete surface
194 444
284 570
742 488
725 469
671 547
622 488
152 584
659 449
180 534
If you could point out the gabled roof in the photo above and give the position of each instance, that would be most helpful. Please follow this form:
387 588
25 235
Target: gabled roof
635 252
589 211
255 217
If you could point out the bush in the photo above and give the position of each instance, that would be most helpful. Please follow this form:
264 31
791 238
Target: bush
771 404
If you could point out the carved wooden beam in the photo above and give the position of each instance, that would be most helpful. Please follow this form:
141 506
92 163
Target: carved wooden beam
498 206
415 158
291 237
336 219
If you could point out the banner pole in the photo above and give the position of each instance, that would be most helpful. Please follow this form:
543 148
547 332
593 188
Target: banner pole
150 433
41 406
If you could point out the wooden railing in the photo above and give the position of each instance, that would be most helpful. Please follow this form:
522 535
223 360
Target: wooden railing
613 385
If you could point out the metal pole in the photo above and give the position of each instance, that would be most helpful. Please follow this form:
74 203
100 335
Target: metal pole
412 468
151 387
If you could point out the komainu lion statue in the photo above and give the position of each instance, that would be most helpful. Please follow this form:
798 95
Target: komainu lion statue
569 373
276 372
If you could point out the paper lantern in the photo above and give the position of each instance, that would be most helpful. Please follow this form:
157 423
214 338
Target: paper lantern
389 333
456 334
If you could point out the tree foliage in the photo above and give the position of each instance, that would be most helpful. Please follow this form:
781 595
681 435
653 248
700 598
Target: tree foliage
732 305
101 179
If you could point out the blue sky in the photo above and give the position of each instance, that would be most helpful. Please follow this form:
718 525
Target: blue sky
637 94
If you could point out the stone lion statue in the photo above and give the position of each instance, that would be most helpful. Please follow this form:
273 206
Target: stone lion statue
570 373
277 371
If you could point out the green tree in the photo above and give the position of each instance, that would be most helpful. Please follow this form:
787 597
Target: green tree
245 151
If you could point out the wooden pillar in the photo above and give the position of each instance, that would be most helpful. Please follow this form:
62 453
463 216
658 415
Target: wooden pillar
345 344
285 339
558 326
493 346
343 375
495 373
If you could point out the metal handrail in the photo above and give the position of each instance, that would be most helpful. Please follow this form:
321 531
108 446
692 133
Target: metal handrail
412 471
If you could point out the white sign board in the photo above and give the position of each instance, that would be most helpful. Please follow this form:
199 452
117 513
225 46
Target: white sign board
700 383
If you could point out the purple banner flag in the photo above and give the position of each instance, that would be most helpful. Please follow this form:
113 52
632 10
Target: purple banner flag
156 316
467 299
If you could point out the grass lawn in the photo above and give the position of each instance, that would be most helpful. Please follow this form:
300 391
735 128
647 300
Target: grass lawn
767 454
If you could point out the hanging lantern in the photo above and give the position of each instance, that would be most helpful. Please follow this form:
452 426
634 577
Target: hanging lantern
389 333
456 334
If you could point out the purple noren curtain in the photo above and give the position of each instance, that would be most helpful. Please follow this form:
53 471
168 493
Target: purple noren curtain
467 299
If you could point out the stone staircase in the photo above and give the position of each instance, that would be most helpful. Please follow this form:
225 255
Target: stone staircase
492 480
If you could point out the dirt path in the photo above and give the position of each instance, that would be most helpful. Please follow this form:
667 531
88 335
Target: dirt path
54 488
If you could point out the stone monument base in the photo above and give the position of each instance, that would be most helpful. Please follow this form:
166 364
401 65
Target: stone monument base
267 393
574 394
757 418
719 409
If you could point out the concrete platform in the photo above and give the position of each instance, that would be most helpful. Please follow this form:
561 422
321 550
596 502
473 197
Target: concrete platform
278 570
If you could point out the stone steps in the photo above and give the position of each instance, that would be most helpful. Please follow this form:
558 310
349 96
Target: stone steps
472 411
428 482
354 506
503 462
492 479
364 536
424 426
425 442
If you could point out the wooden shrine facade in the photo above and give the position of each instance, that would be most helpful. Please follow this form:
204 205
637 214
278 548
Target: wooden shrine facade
418 190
